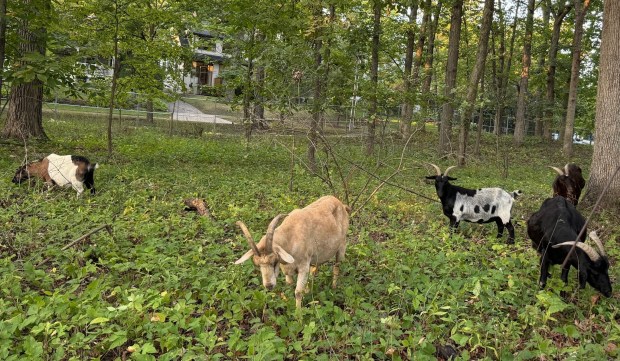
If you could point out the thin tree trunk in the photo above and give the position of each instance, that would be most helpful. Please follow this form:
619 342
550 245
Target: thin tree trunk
407 106
248 114
474 79
520 122
25 104
538 128
428 102
2 40
558 19
580 13
480 120
505 66
419 57
149 110
317 106
447 111
606 156
374 77
115 74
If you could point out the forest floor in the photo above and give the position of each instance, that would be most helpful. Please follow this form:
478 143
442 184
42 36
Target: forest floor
162 285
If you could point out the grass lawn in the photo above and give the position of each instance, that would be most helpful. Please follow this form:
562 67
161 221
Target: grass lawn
163 285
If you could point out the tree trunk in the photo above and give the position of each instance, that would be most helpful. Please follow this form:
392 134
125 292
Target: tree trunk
606 156
580 13
480 120
540 66
419 57
25 104
447 111
505 66
520 122
115 74
317 105
474 79
374 77
407 106
2 40
150 108
558 19
428 103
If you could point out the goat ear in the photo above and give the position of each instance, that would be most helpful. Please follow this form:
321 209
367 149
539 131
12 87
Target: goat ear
431 177
245 257
283 255
450 178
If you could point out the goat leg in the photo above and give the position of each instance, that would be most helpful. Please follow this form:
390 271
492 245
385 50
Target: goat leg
302 279
511 233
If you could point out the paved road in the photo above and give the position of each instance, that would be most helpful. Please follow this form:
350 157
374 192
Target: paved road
188 113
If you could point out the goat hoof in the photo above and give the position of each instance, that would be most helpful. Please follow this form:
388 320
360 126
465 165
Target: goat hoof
510 241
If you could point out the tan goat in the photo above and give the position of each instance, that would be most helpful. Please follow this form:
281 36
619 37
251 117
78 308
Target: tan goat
309 236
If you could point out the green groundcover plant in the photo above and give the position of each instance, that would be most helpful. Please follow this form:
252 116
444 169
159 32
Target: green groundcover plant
162 285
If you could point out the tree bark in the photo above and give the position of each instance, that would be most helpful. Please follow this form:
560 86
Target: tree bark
407 106
480 120
317 105
520 121
606 156
447 112
2 40
504 73
115 74
419 58
581 6
474 79
25 104
428 103
558 19
374 77
538 129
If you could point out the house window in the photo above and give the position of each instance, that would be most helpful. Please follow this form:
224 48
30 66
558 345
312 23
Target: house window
205 74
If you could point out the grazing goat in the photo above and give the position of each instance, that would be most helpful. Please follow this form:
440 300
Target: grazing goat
554 230
482 205
308 236
62 170
568 183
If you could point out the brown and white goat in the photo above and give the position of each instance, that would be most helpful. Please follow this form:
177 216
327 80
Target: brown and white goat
63 170
568 183
307 237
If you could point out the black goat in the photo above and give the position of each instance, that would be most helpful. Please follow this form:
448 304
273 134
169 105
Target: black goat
569 183
554 230
482 205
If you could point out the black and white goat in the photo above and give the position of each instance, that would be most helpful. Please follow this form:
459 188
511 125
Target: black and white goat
63 170
568 183
553 231
482 205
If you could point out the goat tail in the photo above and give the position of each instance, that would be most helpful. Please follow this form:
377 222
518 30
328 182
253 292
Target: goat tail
516 193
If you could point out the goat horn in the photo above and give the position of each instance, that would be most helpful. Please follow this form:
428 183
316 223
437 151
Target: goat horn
247 235
437 169
445 174
598 243
591 252
270 230
558 170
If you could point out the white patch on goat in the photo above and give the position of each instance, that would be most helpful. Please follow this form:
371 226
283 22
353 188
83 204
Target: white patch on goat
494 197
63 172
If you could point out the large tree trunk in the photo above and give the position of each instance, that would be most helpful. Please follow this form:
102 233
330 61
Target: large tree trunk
520 121
606 156
558 19
580 13
474 79
317 106
447 111
374 77
25 109
407 106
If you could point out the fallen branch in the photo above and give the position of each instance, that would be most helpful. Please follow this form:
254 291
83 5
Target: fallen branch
107 227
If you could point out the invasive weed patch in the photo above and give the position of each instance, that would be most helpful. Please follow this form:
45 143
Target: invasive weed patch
163 285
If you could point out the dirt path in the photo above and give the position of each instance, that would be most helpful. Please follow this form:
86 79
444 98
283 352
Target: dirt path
185 112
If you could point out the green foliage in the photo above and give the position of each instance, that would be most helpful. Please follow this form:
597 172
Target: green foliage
163 286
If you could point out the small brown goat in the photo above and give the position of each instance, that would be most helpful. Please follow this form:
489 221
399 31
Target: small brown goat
568 183
309 236
62 170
